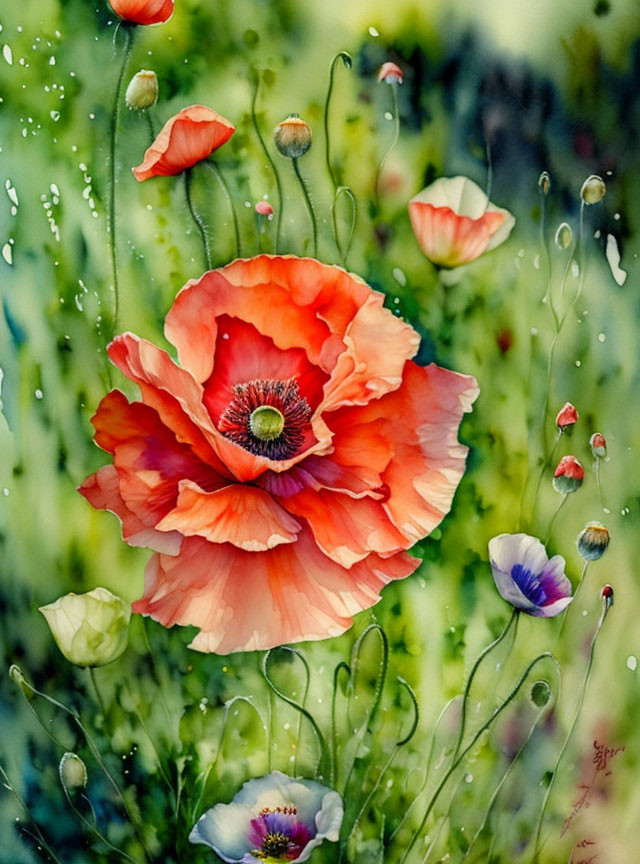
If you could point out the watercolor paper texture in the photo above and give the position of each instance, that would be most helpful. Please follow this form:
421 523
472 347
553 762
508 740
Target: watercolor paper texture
318 431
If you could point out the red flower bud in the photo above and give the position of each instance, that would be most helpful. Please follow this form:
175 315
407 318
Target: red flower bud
568 475
263 208
598 445
391 73
567 416
607 595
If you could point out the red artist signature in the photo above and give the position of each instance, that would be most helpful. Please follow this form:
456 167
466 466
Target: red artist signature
600 760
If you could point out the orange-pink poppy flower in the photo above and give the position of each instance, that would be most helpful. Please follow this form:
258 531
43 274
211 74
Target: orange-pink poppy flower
189 137
282 469
454 221
143 11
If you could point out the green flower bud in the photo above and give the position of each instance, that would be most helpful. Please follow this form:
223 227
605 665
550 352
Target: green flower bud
540 693
564 236
72 771
593 189
593 541
90 629
15 673
292 137
142 91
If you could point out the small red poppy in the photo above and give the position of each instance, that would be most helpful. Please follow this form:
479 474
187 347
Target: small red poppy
391 73
567 416
143 11
189 137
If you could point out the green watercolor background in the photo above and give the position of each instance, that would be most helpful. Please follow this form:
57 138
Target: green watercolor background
551 86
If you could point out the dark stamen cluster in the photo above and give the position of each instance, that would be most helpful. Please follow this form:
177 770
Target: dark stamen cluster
283 395
273 846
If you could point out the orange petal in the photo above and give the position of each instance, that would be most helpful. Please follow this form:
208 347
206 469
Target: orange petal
247 601
245 516
449 239
187 138
102 491
143 12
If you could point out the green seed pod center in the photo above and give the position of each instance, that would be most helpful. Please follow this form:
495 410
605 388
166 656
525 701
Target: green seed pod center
266 422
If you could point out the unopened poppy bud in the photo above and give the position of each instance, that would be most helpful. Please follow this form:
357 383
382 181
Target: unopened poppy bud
292 137
15 673
567 416
568 476
593 189
544 183
540 693
564 235
607 595
142 91
391 73
263 208
90 629
598 445
72 771
593 541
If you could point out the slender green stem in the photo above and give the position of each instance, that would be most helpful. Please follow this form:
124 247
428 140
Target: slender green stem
276 174
92 675
545 465
575 597
324 760
333 777
128 32
503 780
307 200
94 828
234 216
544 247
553 518
344 250
346 60
394 141
197 218
38 835
606 605
454 765
149 119
474 669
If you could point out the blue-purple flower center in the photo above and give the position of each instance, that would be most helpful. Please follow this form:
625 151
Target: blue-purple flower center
529 584
278 834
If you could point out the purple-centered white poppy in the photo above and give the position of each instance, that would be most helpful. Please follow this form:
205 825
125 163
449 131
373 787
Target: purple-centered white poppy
274 818
527 578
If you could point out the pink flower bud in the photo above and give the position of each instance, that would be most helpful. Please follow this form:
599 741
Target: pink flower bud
598 445
568 476
263 208
391 73
567 416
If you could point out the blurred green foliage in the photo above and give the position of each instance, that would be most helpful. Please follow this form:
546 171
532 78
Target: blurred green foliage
545 88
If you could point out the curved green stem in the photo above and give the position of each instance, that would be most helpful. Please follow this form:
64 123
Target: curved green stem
236 227
94 828
606 605
324 761
346 60
128 32
197 218
545 465
38 835
575 597
454 765
269 159
553 518
394 141
344 250
307 200
474 669
333 776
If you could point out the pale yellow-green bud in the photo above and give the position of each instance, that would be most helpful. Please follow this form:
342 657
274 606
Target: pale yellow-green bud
292 137
593 189
142 91
15 673
72 771
564 236
90 629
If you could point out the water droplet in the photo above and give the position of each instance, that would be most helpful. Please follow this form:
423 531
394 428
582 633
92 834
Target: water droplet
601 337
373 32
468 778
632 663
7 253
38 393
7 53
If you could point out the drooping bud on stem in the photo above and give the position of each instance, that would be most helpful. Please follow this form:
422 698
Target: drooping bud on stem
544 183
391 73
598 445
567 416
607 596
564 236
568 475
263 208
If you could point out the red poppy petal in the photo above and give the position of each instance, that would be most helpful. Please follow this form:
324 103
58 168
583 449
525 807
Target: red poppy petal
245 516
449 239
102 491
243 601
143 12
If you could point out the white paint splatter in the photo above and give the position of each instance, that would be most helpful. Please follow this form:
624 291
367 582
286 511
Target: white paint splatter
632 663
613 257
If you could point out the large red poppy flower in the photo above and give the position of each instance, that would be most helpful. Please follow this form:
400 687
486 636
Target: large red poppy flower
188 137
283 468
143 11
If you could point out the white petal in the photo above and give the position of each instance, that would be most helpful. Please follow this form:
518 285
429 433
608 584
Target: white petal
507 550
504 230
225 828
460 194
